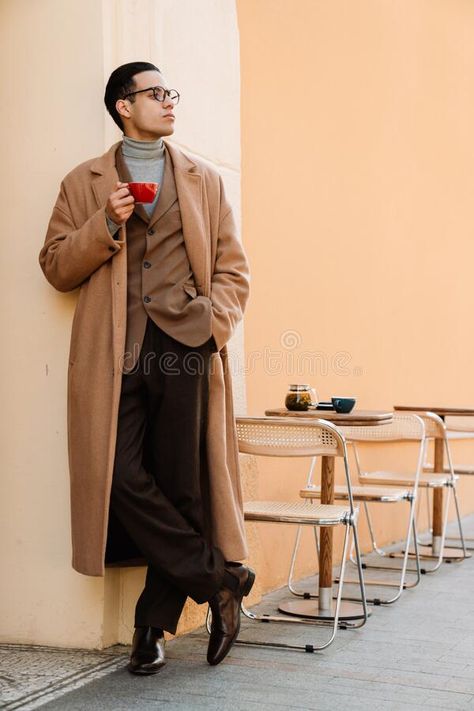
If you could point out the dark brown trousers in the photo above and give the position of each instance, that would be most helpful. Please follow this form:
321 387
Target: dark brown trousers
159 497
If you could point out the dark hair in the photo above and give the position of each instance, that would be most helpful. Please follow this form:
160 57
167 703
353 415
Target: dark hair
121 83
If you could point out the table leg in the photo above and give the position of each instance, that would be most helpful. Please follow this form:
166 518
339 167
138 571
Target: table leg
326 537
438 498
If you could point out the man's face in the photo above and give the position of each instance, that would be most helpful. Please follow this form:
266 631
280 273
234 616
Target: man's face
145 118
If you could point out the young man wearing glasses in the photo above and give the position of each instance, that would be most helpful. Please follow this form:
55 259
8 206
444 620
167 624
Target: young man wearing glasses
152 445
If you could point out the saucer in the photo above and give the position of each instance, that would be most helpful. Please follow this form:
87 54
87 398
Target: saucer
324 406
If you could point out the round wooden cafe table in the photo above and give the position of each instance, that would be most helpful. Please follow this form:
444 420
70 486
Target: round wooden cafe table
323 607
432 551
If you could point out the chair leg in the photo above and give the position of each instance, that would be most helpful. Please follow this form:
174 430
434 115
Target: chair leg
428 516
373 542
293 562
316 540
302 620
437 565
401 584
406 586
456 539
440 553
417 558
290 584
428 509
462 538
375 547
355 541
411 530
379 551
458 516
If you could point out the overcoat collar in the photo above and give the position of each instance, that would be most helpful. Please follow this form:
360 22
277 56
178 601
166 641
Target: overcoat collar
189 187
167 196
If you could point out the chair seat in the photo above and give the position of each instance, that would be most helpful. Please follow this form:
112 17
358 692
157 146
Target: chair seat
296 512
359 493
427 480
462 469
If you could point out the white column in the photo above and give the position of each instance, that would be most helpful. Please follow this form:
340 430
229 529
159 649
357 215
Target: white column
196 46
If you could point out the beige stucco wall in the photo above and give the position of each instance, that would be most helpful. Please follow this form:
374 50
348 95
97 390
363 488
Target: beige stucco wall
58 55
357 177
53 88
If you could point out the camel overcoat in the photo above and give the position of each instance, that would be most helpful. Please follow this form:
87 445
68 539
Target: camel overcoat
79 252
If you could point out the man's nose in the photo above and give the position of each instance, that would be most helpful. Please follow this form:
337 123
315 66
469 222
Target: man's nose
167 102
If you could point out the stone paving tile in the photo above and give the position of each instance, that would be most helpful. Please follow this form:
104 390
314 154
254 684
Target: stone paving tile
416 654
30 674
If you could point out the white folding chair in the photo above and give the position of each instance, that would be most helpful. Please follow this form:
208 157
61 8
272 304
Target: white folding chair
434 429
403 429
457 430
281 437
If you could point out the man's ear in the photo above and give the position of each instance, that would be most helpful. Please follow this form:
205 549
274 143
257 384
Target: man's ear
123 108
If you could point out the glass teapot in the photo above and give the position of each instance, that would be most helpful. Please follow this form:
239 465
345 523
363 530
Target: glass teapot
300 397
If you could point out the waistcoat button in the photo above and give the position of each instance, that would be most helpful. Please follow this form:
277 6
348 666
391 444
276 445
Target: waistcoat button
151 231
146 299
147 265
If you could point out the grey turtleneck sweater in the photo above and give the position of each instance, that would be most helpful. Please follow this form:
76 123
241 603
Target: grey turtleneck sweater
145 161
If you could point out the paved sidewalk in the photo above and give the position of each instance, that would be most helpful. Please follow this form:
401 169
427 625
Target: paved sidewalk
418 653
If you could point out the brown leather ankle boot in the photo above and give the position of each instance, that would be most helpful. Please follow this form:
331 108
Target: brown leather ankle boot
225 606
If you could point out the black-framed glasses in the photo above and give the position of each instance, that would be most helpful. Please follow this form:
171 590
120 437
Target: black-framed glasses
159 93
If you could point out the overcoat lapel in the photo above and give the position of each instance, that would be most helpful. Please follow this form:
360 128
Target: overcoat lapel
167 196
188 181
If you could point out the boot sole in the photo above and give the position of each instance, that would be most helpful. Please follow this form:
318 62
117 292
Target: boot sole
249 584
145 672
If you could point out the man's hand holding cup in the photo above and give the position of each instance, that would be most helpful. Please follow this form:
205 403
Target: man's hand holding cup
120 204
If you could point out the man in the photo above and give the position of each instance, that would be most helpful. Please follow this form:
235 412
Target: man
152 445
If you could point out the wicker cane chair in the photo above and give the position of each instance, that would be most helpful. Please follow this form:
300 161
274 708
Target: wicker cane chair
403 428
457 431
280 437
434 428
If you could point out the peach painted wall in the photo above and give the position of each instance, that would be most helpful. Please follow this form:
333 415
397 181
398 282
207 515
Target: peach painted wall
357 180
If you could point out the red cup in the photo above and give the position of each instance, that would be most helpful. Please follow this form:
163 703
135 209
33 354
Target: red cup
143 192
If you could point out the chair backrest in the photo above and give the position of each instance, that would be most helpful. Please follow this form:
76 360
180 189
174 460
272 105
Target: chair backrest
403 427
434 425
282 437
435 428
